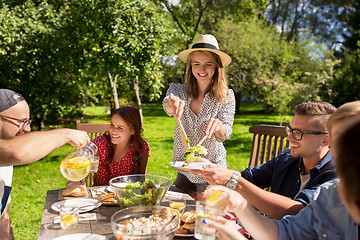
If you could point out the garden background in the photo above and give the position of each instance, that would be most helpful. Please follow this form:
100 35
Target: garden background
81 59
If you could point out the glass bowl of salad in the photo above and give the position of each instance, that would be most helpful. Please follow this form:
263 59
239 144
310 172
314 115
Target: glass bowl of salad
145 222
139 189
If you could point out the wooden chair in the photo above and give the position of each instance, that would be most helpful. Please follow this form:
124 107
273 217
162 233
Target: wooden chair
94 130
268 142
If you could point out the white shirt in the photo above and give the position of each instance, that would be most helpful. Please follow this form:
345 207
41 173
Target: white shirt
195 126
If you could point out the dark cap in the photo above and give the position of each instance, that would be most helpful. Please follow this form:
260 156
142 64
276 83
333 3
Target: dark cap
7 99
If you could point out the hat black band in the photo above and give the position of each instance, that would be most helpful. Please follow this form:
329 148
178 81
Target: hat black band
204 45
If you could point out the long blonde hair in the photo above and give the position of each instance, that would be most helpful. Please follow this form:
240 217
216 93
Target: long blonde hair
218 87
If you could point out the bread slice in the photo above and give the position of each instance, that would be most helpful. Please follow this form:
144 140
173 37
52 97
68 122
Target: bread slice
189 226
181 230
75 183
109 198
75 191
188 217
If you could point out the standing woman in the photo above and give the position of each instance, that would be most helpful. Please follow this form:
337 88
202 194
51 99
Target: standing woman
205 106
122 150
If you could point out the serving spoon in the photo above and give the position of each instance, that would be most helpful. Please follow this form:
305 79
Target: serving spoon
183 135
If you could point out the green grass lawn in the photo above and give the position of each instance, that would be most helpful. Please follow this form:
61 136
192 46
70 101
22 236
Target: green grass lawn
31 182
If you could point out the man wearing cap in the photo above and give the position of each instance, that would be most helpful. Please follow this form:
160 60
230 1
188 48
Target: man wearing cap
14 121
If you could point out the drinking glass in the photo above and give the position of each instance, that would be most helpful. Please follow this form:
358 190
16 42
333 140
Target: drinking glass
202 230
178 204
95 164
217 196
69 217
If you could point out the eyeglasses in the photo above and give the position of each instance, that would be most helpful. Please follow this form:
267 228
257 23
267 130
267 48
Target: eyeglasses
24 123
297 134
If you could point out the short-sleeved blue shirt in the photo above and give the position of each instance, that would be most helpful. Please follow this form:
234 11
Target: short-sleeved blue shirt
282 174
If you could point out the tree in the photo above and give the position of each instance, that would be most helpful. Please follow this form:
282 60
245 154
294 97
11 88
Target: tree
299 19
31 62
64 54
264 64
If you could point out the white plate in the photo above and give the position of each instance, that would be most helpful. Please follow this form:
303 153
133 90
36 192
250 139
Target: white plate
192 165
84 204
81 236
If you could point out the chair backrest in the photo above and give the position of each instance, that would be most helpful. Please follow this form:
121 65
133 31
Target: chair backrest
268 142
93 129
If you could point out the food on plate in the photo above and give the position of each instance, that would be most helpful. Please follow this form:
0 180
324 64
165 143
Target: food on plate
109 198
70 183
188 217
75 191
139 193
189 155
189 226
75 168
187 223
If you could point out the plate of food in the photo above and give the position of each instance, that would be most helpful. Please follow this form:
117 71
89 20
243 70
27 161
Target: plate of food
187 224
105 194
84 204
187 167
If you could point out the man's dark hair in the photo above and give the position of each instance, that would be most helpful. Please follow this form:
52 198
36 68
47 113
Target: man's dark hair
321 110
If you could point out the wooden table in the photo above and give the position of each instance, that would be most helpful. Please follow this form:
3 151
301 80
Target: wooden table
102 226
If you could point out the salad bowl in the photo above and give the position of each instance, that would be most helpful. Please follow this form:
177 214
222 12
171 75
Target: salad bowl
139 189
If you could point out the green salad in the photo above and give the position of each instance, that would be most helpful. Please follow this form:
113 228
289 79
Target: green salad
189 155
140 193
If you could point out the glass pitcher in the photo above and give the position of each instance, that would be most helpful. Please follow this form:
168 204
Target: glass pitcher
76 165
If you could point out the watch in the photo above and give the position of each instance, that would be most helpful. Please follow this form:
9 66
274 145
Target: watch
232 183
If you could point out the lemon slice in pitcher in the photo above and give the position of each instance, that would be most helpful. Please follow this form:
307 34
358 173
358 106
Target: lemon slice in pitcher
76 168
76 162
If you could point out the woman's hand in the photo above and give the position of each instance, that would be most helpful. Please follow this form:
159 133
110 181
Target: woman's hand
215 126
225 229
174 106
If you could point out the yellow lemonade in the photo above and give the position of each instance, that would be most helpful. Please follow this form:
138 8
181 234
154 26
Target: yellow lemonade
75 168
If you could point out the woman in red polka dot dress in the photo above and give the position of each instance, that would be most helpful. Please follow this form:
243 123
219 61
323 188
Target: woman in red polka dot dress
122 150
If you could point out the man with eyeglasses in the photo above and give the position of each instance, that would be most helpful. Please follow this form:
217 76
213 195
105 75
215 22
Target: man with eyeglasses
18 150
294 174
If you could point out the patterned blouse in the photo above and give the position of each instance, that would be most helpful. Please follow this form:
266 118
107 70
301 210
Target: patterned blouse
195 126
115 169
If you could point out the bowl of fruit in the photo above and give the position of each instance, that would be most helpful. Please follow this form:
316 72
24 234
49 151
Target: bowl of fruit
139 189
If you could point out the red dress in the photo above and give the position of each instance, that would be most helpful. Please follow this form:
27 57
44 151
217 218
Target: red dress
115 169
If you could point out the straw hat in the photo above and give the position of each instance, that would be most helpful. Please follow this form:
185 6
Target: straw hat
209 43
